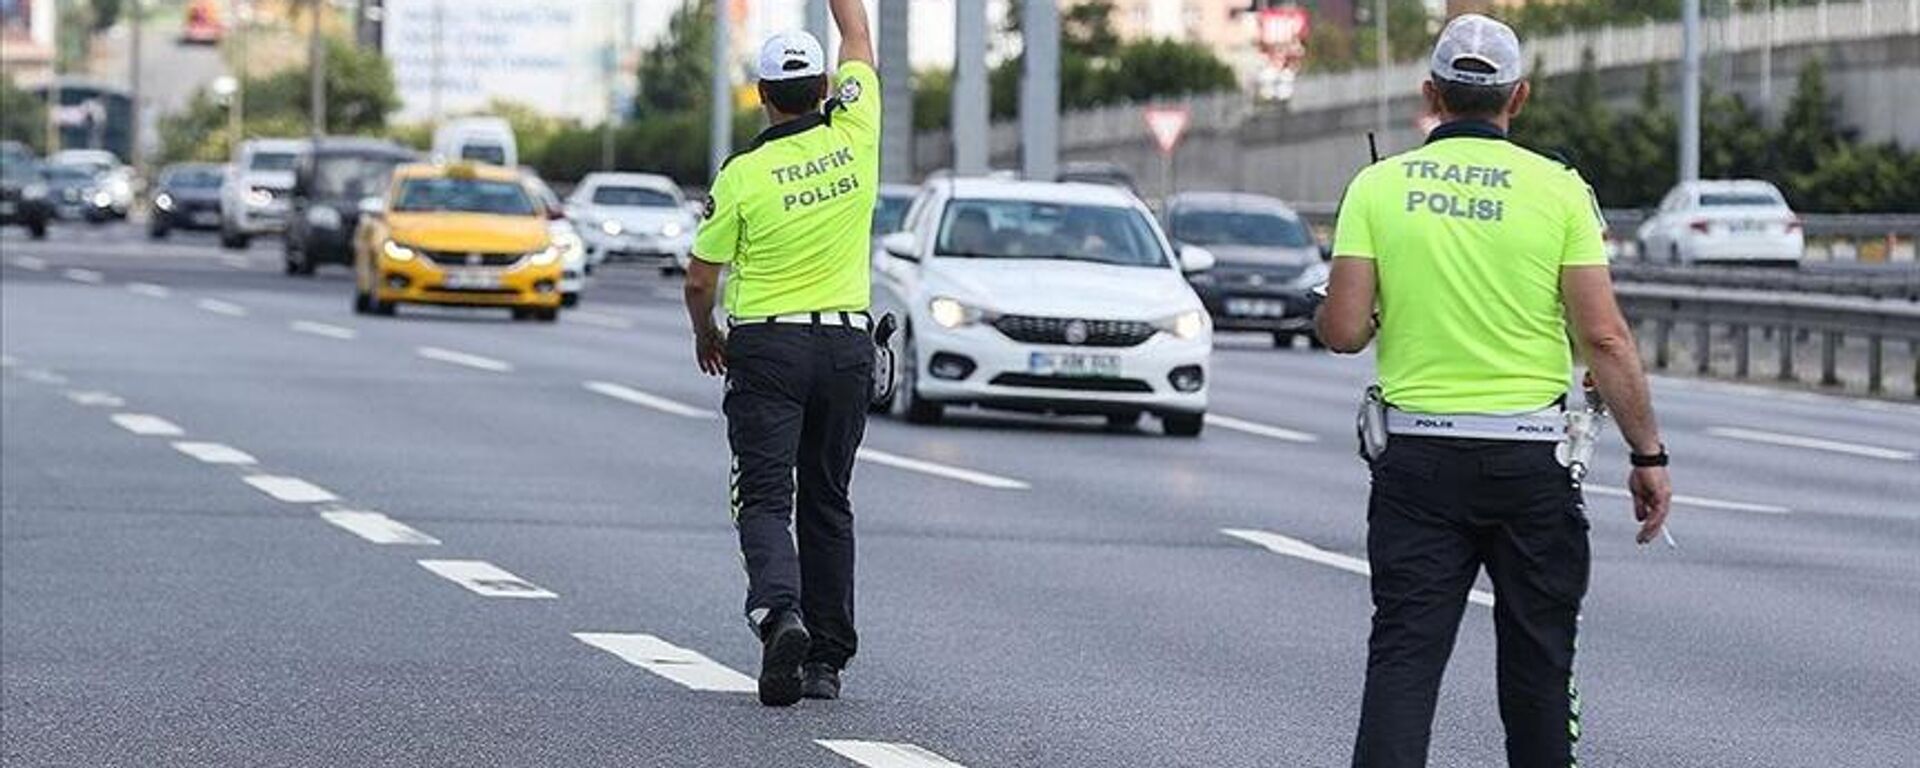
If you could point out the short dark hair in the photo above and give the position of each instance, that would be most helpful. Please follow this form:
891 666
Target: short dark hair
1473 101
796 96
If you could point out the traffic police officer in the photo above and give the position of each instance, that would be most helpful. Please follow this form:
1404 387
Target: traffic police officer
1478 254
790 216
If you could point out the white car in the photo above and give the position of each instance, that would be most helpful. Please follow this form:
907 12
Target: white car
573 251
1742 221
256 195
1044 297
114 178
627 216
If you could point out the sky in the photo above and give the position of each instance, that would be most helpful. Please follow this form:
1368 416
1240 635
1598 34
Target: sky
931 45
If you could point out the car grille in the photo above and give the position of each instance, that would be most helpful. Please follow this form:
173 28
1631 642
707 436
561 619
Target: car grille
1268 277
1080 383
472 259
1053 330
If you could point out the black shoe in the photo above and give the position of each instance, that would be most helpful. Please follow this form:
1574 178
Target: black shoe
820 681
784 647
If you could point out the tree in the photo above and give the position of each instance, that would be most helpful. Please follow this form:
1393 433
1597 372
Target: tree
360 94
23 118
676 73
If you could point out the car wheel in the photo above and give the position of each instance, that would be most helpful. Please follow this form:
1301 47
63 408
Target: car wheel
38 229
1314 342
1283 339
570 299
1183 424
362 304
907 401
1123 421
547 315
157 231
232 240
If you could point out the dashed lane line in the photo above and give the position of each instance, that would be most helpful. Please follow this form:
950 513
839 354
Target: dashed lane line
8 361
467 359
886 754
214 453
1695 501
30 263
1811 443
964 475
147 424
628 394
1292 547
689 668
236 262
43 376
87 276
292 490
95 398
484 578
599 319
327 330
377 528
1263 430
149 290
219 307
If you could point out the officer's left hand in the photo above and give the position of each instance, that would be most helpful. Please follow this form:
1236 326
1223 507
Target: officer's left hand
710 349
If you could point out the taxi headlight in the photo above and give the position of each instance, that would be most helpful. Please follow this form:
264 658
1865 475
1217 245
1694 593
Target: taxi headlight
612 227
34 191
545 256
396 251
568 245
323 217
1315 274
671 229
163 201
1186 325
950 313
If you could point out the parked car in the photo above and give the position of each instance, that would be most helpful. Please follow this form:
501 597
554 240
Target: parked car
110 176
629 216
331 180
1266 261
254 196
76 195
574 266
460 234
1044 297
185 196
891 208
477 139
24 194
1723 222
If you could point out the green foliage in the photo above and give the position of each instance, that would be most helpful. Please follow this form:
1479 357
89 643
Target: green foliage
676 72
106 13
23 118
360 94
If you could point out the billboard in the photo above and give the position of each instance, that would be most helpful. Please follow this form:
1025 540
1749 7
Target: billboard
453 57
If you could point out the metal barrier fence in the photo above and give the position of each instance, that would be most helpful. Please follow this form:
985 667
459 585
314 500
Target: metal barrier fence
1832 323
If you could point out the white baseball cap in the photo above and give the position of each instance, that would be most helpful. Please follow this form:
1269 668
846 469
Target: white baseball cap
791 55
1489 44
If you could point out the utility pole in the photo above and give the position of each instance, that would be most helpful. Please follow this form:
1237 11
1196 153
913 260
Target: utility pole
970 89
1040 91
236 111
721 136
317 73
896 92
1381 53
134 156
817 23
1690 90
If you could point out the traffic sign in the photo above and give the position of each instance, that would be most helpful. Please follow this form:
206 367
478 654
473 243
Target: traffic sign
1167 124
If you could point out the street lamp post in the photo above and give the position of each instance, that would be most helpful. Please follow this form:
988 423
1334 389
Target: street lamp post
1690 91
317 73
721 125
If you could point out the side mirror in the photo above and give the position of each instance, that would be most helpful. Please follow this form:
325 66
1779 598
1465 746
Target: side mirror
556 213
900 246
1194 258
1326 252
373 207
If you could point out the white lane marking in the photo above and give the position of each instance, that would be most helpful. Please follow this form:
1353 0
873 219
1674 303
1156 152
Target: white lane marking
687 667
1812 443
377 528
8 361
30 263
87 276
1695 501
214 453
941 470
463 358
95 398
323 329
147 424
484 578
219 307
1291 547
43 376
604 321
237 262
292 490
656 402
1263 430
150 290
886 754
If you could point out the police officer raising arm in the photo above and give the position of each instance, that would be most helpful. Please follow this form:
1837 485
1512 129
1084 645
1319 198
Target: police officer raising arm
1465 261
789 216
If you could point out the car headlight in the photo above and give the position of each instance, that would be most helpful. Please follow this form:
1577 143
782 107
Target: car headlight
671 229
1186 325
950 313
1315 274
323 217
546 256
259 198
101 199
567 245
396 251
34 191
612 227
163 201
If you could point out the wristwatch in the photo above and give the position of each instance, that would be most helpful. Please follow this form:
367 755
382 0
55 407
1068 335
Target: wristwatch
1649 459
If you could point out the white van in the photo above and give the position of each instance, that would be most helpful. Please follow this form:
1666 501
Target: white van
479 139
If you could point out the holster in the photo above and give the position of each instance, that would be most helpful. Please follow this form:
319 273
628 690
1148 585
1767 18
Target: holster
884 379
1370 425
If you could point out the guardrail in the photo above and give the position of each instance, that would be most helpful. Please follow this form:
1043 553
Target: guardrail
1859 327
1890 281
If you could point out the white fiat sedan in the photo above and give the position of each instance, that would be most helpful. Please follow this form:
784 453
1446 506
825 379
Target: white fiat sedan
1044 297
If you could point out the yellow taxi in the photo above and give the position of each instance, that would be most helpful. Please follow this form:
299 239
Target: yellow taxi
463 234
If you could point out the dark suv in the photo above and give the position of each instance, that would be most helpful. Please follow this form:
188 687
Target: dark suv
329 185
23 194
1266 262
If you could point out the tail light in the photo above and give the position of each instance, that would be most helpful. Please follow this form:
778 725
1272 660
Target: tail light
1793 225
1699 225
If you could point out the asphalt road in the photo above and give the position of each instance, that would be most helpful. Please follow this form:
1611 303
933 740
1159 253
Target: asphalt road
1034 592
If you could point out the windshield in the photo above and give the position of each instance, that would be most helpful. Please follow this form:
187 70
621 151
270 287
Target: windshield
69 173
486 153
1021 229
464 196
193 178
349 177
1717 199
644 197
272 161
1215 227
890 213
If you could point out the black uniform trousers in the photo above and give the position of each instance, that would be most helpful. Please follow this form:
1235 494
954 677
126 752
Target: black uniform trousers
1440 510
796 408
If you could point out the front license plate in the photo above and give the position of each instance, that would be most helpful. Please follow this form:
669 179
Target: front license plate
470 279
1256 308
1073 364
206 218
